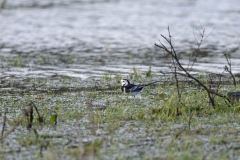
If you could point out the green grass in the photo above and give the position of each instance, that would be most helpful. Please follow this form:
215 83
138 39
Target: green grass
101 122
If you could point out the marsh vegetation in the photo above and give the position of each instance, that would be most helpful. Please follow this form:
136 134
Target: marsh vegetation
93 119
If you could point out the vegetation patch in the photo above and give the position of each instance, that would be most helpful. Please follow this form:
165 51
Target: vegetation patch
184 116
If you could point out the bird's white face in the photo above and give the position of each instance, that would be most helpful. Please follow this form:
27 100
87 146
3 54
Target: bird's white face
124 82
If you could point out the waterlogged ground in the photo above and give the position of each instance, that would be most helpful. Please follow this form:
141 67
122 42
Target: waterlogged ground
67 57
96 121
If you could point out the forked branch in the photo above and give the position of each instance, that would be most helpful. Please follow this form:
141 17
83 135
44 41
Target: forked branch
173 54
229 67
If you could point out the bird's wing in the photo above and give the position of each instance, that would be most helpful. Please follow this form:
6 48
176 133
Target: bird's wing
234 94
136 88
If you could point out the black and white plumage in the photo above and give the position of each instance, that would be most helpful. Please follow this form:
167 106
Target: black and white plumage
127 87
234 96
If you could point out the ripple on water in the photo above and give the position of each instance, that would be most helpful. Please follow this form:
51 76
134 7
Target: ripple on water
64 34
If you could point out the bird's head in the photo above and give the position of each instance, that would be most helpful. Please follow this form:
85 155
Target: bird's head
125 82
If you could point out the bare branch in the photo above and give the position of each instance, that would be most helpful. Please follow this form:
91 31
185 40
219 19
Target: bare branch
178 64
229 67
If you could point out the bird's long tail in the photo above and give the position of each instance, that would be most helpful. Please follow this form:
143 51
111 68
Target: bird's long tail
151 83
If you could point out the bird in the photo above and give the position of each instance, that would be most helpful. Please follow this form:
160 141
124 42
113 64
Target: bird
128 87
234 96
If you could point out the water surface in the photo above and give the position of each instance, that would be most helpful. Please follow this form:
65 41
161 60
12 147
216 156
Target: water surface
88 38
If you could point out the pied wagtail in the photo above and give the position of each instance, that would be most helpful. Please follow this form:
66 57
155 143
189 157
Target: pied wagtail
127 87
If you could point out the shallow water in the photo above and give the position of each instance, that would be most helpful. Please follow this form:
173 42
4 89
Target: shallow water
88 38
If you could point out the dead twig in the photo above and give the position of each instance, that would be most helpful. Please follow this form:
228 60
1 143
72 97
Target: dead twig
229 67
16 125
4 121
40 119
180 132
173 54
199 43
30 115
174 70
